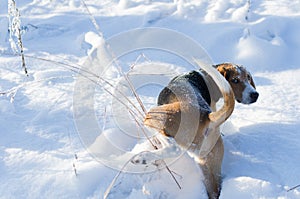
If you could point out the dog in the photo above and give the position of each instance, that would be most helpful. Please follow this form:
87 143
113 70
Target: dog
186 111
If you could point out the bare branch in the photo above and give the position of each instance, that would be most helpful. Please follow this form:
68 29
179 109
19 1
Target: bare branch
295 187
15 31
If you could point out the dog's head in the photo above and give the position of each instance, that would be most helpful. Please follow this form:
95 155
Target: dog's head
240 81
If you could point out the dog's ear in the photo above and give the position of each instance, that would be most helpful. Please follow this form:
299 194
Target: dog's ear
224 71
251 81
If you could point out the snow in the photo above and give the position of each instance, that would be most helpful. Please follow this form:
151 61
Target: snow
45 154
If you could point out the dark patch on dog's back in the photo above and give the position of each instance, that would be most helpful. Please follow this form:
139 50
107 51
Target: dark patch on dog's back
176 85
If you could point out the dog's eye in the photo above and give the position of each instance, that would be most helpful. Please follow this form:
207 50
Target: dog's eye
248 77
235 80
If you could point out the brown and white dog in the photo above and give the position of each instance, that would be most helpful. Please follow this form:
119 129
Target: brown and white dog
187 112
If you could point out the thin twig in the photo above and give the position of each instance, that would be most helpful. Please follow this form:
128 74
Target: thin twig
143 130
154 127
104 118
23 58
22 51
93 19
75 154
295 187
168 112
13 90
135 94
82 71
248 10
107 192
169 170
138 59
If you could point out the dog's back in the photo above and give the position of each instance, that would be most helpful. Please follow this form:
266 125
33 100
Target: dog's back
194 78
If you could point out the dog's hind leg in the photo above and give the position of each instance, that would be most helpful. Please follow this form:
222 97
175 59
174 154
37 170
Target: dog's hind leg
211 168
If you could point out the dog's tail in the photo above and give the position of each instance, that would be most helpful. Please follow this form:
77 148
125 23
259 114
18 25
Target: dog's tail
219 116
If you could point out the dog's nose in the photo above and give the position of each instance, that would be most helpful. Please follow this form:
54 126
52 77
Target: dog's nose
254 96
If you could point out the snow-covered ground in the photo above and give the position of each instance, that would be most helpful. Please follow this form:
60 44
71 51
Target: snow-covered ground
42 152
